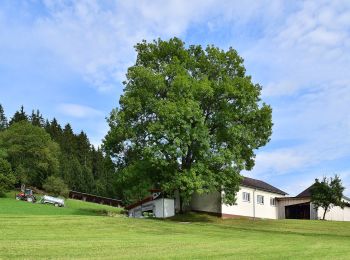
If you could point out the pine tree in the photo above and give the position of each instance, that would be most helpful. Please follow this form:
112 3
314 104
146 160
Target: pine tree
37 119
83 149
54 129
3 119
68 144
19 116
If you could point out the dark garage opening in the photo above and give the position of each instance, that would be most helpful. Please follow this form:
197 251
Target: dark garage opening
298 211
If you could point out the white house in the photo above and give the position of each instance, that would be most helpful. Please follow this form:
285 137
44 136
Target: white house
255 199
258 199
300 207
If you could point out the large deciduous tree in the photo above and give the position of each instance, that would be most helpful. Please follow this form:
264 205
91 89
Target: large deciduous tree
192 115
31 152
327 193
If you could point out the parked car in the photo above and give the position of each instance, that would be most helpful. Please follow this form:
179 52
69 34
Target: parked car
57 202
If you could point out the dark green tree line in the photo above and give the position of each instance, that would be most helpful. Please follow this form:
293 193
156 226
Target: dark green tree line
37 149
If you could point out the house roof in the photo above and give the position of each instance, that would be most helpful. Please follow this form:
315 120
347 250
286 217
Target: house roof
305 194
134 205
347 198
261 185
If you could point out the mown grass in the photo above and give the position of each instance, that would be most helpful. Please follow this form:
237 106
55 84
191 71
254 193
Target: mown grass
10 206
79 236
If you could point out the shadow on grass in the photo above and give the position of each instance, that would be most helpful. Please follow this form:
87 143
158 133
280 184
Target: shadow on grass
195 217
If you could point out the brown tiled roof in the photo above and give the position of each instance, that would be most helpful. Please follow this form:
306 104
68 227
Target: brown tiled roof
261 185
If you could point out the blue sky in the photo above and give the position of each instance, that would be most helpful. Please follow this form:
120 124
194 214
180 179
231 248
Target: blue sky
68 59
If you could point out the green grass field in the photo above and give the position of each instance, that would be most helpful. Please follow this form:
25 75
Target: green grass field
91 231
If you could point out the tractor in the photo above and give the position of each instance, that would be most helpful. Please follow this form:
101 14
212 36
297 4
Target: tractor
26 195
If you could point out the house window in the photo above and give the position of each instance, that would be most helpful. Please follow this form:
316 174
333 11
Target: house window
260 199
246 196
273 201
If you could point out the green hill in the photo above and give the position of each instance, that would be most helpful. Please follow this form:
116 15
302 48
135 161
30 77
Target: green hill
9 206
84 231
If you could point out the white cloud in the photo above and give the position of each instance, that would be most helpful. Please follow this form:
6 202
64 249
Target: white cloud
303 64
96 38
79 111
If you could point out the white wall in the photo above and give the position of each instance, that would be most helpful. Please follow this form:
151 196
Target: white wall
168 210
157 207
244 208
336 213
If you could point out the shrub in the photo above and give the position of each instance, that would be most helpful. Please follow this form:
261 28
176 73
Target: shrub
56 186
7 179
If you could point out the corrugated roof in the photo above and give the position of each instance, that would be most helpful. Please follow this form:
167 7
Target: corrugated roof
261 185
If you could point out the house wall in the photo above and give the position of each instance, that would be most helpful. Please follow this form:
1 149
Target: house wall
336 213
252 208
206 202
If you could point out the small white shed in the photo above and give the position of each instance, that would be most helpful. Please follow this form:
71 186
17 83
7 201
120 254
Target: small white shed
156 204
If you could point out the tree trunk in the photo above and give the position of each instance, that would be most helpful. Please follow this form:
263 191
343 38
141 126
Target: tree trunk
324 213
181 202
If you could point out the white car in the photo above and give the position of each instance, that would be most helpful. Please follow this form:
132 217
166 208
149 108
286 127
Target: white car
52 200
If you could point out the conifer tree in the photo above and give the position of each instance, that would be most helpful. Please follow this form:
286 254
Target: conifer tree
19 116
54 129
3 119
37 119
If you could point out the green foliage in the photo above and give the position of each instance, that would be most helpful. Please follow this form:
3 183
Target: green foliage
7 179
78 164
327 194
37 119
3 119
19 116
31 152
56 186
192 115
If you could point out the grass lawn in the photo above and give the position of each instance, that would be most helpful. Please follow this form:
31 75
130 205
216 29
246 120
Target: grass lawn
80 231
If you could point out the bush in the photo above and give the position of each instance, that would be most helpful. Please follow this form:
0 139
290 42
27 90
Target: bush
7 179
56 186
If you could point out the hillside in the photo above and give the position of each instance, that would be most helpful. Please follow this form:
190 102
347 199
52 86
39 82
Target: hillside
77 232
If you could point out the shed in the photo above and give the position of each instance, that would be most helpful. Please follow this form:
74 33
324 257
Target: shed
156 204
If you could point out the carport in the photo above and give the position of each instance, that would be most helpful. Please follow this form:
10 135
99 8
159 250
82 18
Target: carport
298 211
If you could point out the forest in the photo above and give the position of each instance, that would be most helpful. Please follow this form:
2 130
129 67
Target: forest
35 151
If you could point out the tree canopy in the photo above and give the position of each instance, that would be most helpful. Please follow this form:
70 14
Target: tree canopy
3 119
19 116
189 119
31 152
7 179
30 145
327 194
